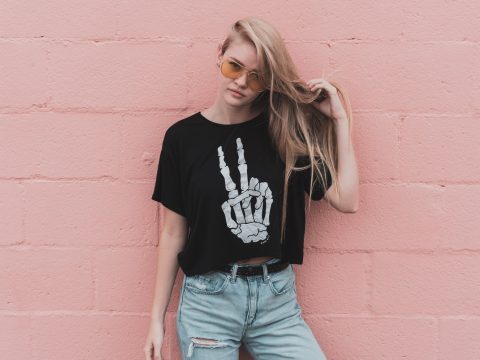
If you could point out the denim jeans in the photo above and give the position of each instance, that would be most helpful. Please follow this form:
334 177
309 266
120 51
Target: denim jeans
218 311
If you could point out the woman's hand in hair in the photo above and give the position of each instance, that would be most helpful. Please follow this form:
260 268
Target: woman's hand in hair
331 106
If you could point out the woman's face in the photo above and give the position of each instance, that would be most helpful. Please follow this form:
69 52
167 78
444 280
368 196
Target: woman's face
244 53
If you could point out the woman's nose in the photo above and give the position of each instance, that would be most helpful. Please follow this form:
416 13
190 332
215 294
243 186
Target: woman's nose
242 80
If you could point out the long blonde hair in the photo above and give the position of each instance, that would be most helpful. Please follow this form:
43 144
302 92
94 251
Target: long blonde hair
297 128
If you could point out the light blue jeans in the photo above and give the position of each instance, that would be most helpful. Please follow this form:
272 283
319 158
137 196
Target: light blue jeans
218 311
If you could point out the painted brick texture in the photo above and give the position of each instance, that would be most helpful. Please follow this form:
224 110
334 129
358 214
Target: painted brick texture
87 91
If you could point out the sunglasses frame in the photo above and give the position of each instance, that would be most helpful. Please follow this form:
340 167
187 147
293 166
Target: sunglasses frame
245 69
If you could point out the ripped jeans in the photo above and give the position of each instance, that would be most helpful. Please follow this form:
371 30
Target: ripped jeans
218 311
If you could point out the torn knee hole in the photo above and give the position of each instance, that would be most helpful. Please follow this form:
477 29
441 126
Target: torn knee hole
203 342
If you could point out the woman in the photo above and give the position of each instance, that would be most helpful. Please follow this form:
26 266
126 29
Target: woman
233 180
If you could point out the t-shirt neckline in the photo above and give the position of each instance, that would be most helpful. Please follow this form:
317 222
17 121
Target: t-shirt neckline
257 119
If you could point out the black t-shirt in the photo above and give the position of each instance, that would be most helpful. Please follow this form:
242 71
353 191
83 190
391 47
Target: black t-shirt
227 180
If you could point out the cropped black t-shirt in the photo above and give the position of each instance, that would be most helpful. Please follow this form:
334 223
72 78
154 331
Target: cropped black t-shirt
227 181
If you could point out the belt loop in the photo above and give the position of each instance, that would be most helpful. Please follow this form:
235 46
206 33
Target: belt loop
234 272
266 276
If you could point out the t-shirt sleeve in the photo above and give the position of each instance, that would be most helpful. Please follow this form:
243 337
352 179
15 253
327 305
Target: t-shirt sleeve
317 192
167 189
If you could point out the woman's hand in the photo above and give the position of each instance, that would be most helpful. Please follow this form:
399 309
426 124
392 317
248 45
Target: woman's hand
331 106
154 340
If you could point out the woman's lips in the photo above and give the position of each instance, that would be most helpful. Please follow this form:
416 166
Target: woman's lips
236 93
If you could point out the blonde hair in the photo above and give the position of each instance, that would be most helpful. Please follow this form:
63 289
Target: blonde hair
296 127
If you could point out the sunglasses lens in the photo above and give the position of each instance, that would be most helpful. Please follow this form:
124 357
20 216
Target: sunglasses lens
255 83
232 70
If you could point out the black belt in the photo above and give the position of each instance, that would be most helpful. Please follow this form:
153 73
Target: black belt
255 269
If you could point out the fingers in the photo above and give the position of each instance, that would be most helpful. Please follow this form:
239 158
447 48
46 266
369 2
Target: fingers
239 201
152 352
148 352
225 171
227 212
157 352
268 201
246 204
242 169
244 183
321 83
258 214
242 166
231 188
232 194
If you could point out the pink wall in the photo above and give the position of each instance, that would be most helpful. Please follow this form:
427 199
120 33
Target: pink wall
87 90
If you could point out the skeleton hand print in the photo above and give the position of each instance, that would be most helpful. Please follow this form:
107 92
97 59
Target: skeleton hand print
247 227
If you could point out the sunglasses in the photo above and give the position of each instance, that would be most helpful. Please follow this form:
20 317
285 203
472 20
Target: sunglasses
233 70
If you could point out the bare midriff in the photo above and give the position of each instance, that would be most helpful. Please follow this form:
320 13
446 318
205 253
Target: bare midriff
255 260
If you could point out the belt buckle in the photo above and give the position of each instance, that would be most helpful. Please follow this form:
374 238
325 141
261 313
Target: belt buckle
250 270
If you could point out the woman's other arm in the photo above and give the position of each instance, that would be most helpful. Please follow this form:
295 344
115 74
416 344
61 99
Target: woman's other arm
172 237
346 199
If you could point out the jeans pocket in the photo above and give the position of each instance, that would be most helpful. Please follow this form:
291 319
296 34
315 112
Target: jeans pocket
211 283
283 281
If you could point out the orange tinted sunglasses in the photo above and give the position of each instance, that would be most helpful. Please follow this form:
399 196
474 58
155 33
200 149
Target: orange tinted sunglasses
233 70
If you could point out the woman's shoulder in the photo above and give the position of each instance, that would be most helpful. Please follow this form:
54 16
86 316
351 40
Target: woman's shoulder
182 128
184 122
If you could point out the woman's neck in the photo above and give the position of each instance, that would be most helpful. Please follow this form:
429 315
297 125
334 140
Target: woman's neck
229 116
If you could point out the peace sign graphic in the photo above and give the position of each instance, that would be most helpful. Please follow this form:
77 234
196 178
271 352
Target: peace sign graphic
246 226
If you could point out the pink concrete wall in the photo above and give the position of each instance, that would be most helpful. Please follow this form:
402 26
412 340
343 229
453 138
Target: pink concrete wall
87 90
